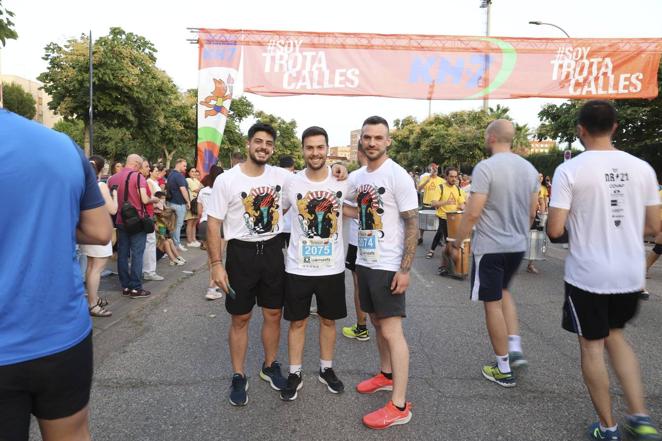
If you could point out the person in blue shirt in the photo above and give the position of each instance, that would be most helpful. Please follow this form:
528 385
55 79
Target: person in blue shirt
179 199
45 327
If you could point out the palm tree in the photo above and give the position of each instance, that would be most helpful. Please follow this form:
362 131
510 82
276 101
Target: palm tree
499 112
521 140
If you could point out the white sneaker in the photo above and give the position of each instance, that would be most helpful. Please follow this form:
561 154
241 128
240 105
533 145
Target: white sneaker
213 294
181 247
152 276
181 259
194 244
180 262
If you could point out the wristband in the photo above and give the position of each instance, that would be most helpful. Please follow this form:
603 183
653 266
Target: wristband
214 262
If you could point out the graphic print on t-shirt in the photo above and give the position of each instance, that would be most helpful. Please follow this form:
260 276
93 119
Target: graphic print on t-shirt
617 180
318 213
261 209
369 201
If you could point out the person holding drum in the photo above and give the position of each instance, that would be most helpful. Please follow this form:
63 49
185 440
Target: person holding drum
543 196
430 185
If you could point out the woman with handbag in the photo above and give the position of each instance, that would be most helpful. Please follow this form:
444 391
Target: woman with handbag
192 215
97 255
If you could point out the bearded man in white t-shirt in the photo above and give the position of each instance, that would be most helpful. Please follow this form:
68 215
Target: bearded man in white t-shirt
604 201
387 206
246 203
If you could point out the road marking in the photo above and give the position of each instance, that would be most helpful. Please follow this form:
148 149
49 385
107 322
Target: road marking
421 278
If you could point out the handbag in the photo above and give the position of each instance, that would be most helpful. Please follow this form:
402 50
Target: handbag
130 218
146 221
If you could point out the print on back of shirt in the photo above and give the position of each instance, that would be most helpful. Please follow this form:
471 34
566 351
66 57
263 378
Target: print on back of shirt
617 180
261 209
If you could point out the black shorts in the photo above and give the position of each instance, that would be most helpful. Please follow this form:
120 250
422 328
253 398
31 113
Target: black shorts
375 293
256 271
286 239
350 259
51 387
657 249
492 273
329 292
591 315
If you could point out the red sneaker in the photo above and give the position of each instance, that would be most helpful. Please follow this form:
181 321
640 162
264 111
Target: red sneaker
388 416
374 384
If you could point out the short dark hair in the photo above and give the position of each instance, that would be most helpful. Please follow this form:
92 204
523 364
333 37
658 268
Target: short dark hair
375 120
314 131
159 167
97 163
261 127
597 117
450 169
159 194
285 161
210 178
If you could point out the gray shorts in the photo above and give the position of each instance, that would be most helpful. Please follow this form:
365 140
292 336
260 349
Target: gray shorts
375 293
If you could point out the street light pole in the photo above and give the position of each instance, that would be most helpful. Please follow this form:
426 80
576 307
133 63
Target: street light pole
91 110
541 23
487 4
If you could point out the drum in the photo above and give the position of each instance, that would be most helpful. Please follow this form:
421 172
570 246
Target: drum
537 246
428 220
460 259
453 219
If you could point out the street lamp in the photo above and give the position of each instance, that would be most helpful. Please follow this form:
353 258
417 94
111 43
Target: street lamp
487 5
542 23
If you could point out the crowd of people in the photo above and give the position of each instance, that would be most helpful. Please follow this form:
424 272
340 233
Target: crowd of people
240 217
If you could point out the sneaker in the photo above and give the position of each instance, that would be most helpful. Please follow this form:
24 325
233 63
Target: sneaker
126 292
492 373
179 262
354 332
213 294
238 390
181 247
313 310
594 432
517 360
139 294
273 376
152 276
328 377
374 384
294 383
180 259
195 244
388 416
443 271
641 428
644 295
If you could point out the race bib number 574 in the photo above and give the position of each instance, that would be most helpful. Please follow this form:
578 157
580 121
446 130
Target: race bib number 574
369 245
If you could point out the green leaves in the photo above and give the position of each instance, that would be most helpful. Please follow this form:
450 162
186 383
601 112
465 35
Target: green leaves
18 100
7 31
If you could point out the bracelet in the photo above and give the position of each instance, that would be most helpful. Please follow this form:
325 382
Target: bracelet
214 262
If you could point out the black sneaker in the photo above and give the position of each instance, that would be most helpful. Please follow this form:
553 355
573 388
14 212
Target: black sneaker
238 390
328 377
139 294
294 383
644 295
126 292
273 376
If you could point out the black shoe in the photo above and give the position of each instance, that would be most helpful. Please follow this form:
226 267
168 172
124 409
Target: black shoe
644 295
294 383
420 240
328 377
126 292
139 294
238 390
443 271
273 376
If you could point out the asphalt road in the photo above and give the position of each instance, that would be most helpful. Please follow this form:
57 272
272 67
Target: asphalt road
163 368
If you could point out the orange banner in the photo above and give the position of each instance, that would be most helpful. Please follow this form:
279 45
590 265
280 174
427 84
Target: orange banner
278 63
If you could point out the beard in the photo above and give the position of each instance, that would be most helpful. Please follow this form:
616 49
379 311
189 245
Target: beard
374 155
488 150
315 167
257 161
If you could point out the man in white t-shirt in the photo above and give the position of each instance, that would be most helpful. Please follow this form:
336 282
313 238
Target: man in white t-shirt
387 206
246 202
604 201
314 264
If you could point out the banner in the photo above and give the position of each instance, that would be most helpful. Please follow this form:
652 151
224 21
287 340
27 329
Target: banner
218 63
279 63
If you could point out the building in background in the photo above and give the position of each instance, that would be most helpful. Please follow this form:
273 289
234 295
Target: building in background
44 115
543 146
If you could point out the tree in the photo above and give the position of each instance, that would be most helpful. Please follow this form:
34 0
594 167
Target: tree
7 31
131 94
288 142
72 127
19 101
559 122
499 112
233 140
521 141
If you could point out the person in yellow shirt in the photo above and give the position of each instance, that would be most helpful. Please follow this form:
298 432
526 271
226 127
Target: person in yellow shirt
450 199
543 198
430 185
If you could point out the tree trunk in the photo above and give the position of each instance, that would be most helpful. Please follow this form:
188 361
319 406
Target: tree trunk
86 139
168 156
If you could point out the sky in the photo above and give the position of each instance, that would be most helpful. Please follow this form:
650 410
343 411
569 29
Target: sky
165 23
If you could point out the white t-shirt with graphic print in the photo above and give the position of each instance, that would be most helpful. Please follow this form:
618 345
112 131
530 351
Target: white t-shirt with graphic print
250 207
606 193
380 196
316 242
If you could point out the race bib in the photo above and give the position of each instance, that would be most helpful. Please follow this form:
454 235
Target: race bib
369 245
315 253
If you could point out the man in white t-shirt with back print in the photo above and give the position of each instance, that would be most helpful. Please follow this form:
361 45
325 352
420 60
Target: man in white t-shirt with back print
604 201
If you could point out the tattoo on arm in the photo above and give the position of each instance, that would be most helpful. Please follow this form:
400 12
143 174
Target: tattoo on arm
411 239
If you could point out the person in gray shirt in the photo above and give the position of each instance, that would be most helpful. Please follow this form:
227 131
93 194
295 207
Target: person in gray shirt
502 206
